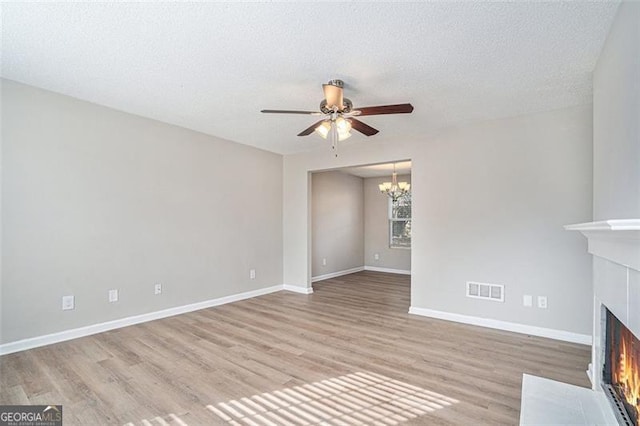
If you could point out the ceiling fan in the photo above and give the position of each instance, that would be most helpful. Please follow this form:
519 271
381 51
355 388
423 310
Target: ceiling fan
339 115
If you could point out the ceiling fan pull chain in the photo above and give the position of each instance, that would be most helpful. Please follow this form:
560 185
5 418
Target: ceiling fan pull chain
334 138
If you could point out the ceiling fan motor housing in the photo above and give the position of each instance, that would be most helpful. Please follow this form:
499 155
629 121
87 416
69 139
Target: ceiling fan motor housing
347 106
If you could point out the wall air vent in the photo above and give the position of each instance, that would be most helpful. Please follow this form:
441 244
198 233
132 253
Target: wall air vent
485 291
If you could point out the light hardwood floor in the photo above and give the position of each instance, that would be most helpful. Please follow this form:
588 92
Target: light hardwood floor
347 354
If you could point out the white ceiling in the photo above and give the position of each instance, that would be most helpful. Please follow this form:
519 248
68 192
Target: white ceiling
212 67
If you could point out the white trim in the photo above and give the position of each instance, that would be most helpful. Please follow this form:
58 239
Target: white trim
387 270
606 225
297 289
550 333
337 274
75 333
614 240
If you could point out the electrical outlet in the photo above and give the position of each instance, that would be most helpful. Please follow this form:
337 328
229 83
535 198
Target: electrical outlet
252 274
68 303
157 289
527 300
542 302
113 295
376 256
324 261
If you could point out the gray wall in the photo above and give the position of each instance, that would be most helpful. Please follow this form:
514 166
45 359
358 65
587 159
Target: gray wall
489 203
616 125
95 199
337 218
376 228
495 197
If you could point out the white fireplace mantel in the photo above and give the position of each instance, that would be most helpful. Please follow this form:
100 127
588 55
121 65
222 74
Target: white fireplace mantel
615 240
615 286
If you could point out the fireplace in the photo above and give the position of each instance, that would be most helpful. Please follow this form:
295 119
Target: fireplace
615 246
621 372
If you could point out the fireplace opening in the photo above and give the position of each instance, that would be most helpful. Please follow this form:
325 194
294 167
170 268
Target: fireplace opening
621 371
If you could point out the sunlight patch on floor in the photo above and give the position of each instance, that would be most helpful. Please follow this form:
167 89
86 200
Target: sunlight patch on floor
353 399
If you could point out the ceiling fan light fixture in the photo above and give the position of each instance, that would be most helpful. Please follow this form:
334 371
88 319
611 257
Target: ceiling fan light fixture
323 129
343 136
344 128
343 125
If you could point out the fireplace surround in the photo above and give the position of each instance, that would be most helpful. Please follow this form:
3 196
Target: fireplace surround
615 246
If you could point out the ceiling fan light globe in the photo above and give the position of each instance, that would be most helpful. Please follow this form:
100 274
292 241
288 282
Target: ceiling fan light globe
344 128
343 135
323 129
343 125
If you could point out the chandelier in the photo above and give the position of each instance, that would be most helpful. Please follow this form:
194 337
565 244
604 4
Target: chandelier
395 189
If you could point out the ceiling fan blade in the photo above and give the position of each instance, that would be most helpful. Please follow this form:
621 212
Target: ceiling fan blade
310 129
283 111
333 96
363 128
386 109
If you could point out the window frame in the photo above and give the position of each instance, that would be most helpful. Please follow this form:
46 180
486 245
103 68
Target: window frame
391 221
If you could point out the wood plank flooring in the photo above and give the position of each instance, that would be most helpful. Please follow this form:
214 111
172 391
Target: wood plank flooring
347 354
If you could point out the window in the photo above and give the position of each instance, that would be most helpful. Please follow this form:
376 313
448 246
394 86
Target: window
400 222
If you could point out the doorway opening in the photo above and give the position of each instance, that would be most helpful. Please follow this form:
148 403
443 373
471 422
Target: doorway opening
355 228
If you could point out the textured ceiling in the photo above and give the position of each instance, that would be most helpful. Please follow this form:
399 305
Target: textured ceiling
212 67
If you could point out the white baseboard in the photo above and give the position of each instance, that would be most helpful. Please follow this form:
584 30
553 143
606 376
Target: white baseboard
297 289
75 333
550 333
337 274
387 270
